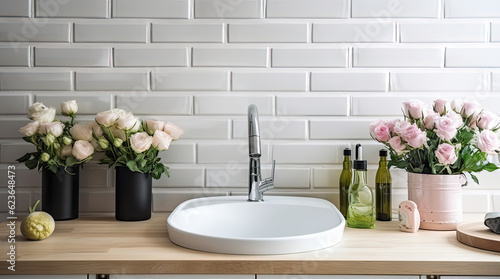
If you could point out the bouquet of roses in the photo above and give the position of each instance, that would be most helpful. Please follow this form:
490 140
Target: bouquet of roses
127 141
58 143
453 137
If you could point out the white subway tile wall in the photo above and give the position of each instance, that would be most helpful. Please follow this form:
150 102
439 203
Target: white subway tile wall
320 71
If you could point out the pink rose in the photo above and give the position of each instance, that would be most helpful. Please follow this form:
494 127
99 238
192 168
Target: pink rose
141 142
445 127
430 119
55 128
470 108
82 150
455 118
173 130
440 106
379 131
414 108
161 140
414 136
487 120
152 125
446 154
456 105
488 142
396 144
391 124
30 129
401 126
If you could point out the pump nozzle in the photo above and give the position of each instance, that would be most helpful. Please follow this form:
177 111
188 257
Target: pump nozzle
359 152
359 163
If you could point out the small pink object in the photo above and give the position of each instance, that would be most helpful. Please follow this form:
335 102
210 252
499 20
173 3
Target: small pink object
409 217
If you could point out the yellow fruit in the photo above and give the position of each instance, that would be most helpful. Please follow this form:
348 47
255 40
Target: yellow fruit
38 225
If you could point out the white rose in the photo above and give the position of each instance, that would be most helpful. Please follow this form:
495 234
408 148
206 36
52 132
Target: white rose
152 125
161 140
82 149
173 130
457 105
55 128
40 112
81 131
96 129
69 107
128 122
66 151
118 133
106 118
141 142
30 129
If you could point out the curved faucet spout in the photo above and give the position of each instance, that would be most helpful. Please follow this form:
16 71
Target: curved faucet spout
256 185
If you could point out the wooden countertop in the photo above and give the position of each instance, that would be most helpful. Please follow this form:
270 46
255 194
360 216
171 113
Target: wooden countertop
102 245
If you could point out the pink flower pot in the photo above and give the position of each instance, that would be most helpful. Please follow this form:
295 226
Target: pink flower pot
438 199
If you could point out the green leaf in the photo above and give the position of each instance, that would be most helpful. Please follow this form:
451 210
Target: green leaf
132 165
31 164
490 167
70 161
474 178
24 158
142 163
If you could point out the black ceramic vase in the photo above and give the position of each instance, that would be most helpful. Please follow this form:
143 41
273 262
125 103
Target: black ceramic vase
60 193
133 195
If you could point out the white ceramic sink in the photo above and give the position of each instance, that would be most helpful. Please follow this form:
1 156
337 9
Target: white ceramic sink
278 225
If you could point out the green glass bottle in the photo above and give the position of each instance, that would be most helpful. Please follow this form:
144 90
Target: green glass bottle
383 186
360 212
345 181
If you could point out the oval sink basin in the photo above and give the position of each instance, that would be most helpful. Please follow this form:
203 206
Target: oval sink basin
278 225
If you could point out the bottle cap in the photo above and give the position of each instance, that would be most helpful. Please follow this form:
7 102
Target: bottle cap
382 152
347 152
359 163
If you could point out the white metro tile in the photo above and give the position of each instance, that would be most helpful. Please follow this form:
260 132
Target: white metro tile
339 129
191 81
25 177
349 81
312 105
72 57
395 9
354 32
72 8
151 8
307 9
94 176
442 32
10 128
496 202
13 8
268 33
97 200
20 32
151 57
195 33
155 104
326 177
287 58
230 175
308 153
10 151
87 104
269 81
181 176
14 56
23 201
478 8
472 57
35 81
382 105
289 178
228 152
495 32
230 9
229 57
111 81
475 201
113 33
14 103
273 128
495 77
179 153
202 127
167 201
370 154
438 82
231 104
398 57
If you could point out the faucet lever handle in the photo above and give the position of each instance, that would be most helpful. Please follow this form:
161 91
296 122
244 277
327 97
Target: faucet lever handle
272 170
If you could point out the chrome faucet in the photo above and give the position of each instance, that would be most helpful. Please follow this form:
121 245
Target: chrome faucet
256 186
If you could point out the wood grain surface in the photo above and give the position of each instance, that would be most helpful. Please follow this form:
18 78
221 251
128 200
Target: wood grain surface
100 244
476 234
